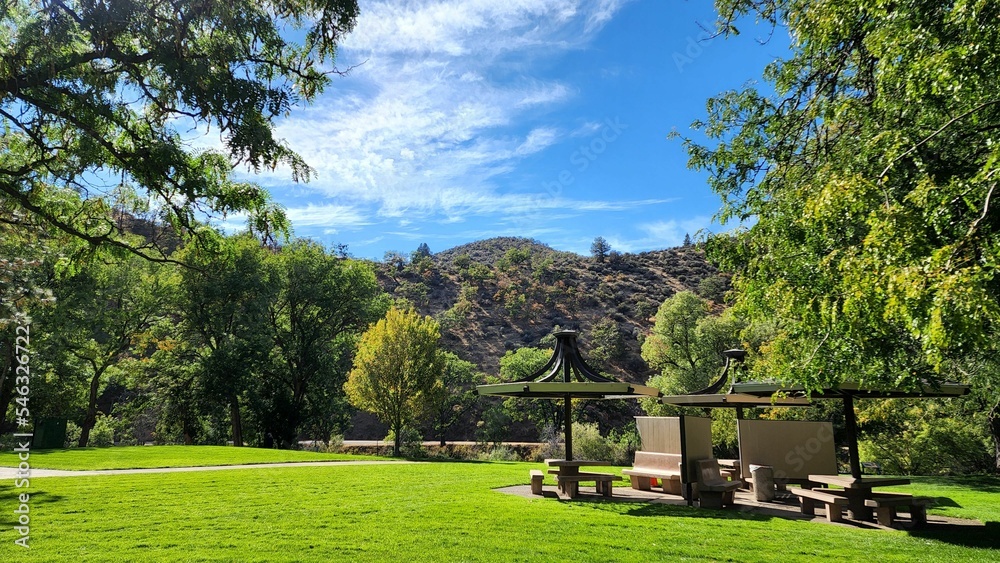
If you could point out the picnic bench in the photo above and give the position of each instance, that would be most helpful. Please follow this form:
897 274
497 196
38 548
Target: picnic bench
569 477
714 490
569 484
835 502
536 481
654 465
886 504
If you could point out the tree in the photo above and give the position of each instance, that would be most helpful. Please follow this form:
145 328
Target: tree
600 248
606 341
687 240
98 315
455 395
395 370
313 323
519 364
223 302
94 95
422 251
686 343
869 175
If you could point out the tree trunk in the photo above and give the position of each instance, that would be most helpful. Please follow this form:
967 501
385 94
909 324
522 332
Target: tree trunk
234 414
397 439
995 431
91 418
7 379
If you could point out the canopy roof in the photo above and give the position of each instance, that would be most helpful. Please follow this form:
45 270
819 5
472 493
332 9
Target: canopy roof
717 400
850 388
566 374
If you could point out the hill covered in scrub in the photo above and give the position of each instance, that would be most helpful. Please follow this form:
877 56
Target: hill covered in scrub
501 294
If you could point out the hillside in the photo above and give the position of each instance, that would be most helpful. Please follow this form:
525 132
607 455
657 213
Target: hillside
501 294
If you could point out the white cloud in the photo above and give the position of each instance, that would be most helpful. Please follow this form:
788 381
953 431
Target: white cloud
333 216
444 103
661 234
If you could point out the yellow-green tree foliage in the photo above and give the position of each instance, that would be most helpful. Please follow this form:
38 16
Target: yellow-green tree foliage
396 368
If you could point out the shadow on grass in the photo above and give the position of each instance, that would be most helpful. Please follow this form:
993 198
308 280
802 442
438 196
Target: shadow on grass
984 537
945 501
642 508
38 498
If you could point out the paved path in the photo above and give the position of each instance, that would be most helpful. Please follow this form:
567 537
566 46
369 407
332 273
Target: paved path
11 472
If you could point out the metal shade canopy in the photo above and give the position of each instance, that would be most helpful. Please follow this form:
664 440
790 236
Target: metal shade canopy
712 397
848 391
733 400
567 376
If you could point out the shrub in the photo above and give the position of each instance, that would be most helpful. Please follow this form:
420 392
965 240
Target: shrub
552 445
589 444
412 444
102 434
72 435
334 445
500 452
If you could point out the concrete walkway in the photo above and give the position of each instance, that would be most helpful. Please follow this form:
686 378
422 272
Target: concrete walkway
11 472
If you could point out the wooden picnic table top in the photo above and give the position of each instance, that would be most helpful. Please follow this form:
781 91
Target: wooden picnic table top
849 482
576 463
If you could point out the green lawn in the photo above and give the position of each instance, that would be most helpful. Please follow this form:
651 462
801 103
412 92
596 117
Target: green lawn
135 457
438 512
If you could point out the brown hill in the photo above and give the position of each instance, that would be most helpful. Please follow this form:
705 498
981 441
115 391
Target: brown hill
501 294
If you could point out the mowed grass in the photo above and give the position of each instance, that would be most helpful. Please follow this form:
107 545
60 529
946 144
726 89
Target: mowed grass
142 457
433 512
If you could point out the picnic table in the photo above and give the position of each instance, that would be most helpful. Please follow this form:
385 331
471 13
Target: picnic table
569 476
857 491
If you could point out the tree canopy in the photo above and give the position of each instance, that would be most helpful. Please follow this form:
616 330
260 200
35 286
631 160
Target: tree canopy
867 175
865 171
94 97
396 369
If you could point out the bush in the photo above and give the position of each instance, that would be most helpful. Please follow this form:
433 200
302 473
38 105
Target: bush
552 445
589 444
334 445
412 444
102 434
501 452
72 435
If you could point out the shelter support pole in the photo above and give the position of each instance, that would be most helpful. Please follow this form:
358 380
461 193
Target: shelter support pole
851 426
568 419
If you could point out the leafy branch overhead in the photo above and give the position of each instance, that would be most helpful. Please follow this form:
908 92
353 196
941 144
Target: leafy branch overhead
869 174
95 98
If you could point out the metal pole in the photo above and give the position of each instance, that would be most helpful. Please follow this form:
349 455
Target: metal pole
851 426
568 415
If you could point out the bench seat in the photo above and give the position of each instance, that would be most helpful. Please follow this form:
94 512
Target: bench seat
568 485
835 502
656 465
536 481
886 504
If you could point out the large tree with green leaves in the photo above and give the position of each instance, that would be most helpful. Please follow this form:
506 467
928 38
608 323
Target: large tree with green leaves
99 315
687 342
223 300
456 395
867 170
95 97
396 368
325 302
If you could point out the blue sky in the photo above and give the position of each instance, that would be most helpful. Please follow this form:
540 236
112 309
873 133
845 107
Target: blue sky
469 119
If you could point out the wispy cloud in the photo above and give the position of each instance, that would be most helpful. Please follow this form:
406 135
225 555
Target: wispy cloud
443 103
661 234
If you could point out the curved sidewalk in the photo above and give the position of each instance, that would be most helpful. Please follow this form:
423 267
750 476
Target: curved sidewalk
11 472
